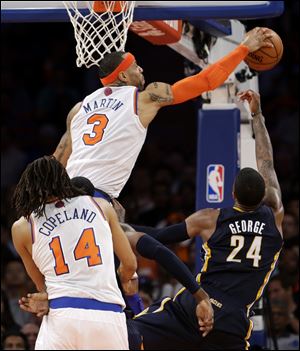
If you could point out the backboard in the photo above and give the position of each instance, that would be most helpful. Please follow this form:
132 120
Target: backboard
48 11
211 17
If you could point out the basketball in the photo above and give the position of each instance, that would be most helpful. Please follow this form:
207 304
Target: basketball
266 58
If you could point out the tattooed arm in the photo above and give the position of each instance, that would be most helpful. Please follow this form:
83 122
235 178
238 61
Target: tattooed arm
264 155
155 96
64 148
160 93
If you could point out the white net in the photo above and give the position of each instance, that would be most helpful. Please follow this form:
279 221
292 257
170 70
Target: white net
97 34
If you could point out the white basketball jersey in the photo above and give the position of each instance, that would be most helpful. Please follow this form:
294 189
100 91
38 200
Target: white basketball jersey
107 137
73 249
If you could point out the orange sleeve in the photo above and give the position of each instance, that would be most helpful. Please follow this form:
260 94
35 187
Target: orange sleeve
210 78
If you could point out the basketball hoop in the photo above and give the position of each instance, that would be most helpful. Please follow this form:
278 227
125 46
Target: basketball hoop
100 31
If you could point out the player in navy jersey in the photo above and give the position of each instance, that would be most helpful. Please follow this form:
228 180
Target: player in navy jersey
242 245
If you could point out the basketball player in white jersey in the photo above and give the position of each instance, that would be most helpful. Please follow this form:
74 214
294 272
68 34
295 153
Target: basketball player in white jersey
66 241
106 131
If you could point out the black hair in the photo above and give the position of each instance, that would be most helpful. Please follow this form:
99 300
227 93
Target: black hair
279 278
43 178
281 304
15 331
84 184
249 187
110 62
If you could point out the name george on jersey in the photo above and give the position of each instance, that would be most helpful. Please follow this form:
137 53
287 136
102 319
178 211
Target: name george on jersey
111 103
246 226
61 217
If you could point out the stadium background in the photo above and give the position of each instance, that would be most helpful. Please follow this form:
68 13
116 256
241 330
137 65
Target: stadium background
40 83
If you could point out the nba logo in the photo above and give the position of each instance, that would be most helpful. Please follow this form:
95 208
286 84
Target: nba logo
215 183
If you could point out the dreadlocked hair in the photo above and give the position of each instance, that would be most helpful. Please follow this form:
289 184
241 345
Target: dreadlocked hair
42 179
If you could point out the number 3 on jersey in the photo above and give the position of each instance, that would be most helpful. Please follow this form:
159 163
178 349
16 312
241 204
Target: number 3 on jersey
100 123
85 248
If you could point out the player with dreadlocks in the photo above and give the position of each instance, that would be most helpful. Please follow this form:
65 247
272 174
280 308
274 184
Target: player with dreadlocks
44 180
66 240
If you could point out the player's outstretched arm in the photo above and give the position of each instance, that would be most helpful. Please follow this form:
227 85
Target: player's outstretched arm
64 148
202 223
157 94
264 154
148 247
216 74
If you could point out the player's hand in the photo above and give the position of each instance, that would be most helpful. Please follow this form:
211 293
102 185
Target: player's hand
205 315
253 99
257 38
35 303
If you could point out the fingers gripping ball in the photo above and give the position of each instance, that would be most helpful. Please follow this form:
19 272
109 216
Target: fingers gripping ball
266 58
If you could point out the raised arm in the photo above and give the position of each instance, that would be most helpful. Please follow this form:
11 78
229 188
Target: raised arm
21 236
157 95
64 148
264 155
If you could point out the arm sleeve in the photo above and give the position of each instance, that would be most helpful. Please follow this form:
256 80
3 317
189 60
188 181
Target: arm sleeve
210 78
152 249
171 234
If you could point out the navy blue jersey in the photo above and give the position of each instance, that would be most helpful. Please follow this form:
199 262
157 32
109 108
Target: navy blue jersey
241 253
240 257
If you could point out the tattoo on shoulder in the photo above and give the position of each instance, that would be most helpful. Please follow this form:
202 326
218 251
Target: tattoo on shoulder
161 99
168 89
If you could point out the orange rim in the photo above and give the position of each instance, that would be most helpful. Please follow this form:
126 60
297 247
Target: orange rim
99 6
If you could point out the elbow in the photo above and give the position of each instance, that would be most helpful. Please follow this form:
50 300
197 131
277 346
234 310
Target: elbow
130 266
217 81
133 265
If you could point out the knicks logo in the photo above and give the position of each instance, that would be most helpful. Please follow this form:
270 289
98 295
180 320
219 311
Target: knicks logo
215 183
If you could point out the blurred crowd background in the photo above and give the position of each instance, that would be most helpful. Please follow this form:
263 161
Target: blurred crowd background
40 83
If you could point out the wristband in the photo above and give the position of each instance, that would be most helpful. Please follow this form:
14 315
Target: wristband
253 114
135 303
